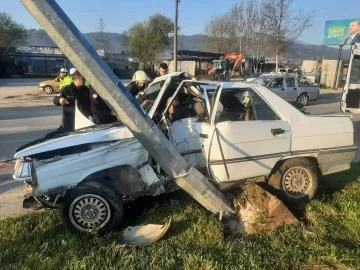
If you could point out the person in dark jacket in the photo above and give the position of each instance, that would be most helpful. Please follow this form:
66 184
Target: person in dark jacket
66 98
102 114
227 68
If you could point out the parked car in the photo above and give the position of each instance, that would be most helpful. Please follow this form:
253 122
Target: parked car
236 133
290 88
288 71
252 77
50 86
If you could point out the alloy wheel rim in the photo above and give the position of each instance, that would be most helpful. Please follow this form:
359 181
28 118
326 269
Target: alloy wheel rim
89 212
297 182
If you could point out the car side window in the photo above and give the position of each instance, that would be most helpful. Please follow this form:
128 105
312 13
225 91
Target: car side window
259 81
277 83
290 82
262 110
242 105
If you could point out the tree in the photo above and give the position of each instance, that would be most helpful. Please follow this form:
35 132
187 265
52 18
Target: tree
283 24
12 34
257 40
148 39
216 32
102 41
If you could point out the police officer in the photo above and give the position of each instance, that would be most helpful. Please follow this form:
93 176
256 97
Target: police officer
102 114
138 83
65 79
66 98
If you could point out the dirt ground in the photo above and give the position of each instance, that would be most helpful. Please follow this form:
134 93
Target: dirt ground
11 194
28 97
259 211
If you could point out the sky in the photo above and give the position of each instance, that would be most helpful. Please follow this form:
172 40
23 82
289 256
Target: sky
119 15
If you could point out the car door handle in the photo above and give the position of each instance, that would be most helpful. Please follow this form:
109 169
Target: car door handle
205 136
282 89
295 88
277 131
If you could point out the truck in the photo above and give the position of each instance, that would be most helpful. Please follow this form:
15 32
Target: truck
290 88
232 132
350 100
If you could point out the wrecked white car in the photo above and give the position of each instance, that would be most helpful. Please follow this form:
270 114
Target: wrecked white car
233 132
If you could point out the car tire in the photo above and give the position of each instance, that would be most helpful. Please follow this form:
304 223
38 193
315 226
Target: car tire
295 181
48 89
94 206
303 99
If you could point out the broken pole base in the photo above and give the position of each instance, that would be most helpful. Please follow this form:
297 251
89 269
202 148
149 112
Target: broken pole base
209 196
259 211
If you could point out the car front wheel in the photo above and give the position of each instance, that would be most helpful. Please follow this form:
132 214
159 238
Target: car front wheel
295 181
48 89
92 206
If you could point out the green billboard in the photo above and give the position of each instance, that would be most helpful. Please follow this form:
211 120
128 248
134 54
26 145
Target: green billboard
342 32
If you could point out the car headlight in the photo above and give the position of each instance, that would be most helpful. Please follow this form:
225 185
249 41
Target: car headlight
22 169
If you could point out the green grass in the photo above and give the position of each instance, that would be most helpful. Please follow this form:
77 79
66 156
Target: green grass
328 238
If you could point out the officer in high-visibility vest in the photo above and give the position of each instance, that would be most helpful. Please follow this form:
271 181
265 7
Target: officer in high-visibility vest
65 79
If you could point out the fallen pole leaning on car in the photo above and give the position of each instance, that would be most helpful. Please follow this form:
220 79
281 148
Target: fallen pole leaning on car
79 51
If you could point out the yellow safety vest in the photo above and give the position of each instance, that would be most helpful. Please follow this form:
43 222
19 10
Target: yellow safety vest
65 81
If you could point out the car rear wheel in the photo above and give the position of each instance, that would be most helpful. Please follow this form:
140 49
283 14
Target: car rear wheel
93 206
303 99
296 181
48 89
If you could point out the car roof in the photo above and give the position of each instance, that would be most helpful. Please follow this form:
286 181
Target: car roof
164 77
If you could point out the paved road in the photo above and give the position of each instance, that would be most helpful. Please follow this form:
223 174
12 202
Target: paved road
21 125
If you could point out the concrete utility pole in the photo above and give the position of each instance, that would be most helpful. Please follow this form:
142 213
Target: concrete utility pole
176 33
79 51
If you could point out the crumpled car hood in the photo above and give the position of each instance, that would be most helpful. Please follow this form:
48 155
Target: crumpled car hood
77 138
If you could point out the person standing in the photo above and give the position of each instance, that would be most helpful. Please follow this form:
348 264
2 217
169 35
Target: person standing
227 69
101 112
76 91
138 83
65 79
163 69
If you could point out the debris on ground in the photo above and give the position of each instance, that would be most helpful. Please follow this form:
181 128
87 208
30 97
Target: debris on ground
144 234
259 211
32 203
